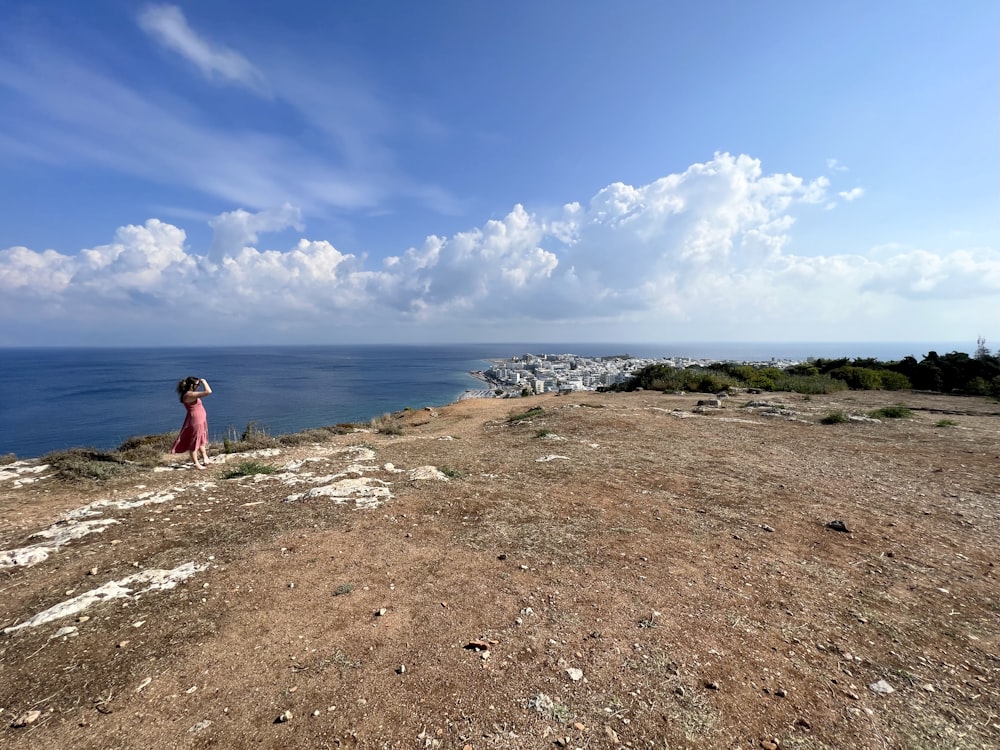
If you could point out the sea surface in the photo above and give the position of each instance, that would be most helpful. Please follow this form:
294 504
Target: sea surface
53 399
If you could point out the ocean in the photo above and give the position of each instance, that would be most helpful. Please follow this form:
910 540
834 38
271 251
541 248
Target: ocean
53 399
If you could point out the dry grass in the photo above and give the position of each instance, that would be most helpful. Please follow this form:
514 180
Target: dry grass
682 564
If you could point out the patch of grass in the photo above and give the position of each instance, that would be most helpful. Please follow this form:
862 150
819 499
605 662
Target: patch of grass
248 469
146 450
543 433
344 588
386 425
7 458
534 411
316 435
946 423
86 463
450 473
896 411
834 417
253 437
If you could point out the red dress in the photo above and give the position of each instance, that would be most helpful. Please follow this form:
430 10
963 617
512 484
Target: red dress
194 431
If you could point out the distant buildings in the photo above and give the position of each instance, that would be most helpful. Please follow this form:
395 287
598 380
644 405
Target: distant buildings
539 373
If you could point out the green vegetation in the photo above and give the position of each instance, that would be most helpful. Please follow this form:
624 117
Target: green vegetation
86 463
450 473
136 454
835 417
344 588
977 375
534 411
946 423
897 411
248 469
543 433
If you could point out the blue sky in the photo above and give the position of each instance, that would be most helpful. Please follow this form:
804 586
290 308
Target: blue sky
331 172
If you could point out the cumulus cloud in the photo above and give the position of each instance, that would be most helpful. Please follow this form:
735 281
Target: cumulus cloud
167 24
237 229
852 194
702 252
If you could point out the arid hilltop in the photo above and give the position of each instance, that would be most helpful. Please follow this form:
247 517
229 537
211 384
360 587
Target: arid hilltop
587 570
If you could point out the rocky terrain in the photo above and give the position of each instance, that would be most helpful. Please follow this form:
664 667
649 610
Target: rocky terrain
580 571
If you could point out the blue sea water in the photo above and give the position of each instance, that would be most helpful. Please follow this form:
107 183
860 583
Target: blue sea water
52 399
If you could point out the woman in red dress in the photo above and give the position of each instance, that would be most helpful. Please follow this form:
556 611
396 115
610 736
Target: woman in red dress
194 432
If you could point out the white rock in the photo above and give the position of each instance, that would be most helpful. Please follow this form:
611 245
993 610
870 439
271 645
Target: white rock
881 687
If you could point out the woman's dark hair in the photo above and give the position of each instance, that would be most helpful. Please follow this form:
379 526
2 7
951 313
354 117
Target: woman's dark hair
186 385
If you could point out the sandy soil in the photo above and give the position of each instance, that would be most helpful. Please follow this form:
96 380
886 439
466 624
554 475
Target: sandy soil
611 571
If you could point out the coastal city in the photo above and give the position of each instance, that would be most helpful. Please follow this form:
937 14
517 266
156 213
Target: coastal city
528 374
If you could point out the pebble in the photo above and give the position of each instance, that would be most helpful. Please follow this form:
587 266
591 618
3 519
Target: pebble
838 525
881 687
712 685
26 719
284 717
769 745
575 674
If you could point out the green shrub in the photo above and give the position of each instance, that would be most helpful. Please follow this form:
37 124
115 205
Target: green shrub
248 469
897 411
534 411
146 450
86 463
450 473
835 417
946 423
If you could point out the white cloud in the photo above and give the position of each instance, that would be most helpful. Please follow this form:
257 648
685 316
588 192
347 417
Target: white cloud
701 253
852 194
835 166
237 229
167 24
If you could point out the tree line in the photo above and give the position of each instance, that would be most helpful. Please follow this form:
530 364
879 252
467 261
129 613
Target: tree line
956 372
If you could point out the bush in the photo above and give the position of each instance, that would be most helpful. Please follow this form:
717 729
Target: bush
146 449
898 411
85 463
835 417
946 423
534 411
248 469
386 425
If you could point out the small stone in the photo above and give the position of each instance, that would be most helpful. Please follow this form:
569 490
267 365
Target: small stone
285 716
92 572
803 723
200 725
401 669
26 719
928 688
781 693
881 687
712 685
768 745
766 527
579 727
121 644
381 612
316 712
838 525
574 674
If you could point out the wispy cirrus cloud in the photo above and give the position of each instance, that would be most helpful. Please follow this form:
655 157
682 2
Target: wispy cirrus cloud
852 194
168 26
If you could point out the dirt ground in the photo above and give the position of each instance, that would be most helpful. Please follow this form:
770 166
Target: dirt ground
609 570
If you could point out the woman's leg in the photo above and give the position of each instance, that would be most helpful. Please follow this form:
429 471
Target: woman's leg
194 457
